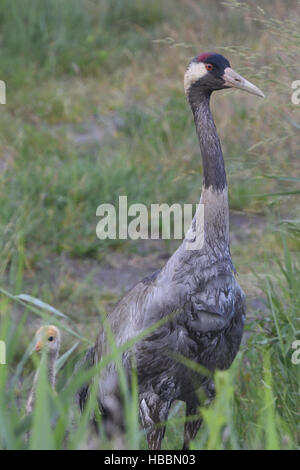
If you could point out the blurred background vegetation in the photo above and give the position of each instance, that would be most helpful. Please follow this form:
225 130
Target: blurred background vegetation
95 109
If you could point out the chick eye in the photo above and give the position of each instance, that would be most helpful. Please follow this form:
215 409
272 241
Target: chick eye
209 67
50 338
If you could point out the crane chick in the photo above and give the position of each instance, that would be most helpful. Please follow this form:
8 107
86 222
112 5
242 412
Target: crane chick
47 338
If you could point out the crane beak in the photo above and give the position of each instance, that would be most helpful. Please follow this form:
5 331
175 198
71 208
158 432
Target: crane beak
234 80
38 346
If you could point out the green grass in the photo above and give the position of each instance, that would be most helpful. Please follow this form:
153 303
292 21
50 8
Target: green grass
77 68
70 37
257 406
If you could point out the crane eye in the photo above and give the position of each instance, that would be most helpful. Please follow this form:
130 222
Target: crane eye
50 338
209 67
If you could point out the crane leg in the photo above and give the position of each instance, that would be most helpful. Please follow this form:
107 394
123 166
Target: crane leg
154 414
193 401
192 426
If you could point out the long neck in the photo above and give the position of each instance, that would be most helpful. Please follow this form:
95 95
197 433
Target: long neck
214 174
214 194
51 377
52 370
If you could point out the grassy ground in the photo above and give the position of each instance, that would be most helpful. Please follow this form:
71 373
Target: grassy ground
95 109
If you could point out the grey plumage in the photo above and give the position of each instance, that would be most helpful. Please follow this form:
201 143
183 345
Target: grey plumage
197 288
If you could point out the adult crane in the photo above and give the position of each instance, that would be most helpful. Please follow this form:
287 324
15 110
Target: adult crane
196 291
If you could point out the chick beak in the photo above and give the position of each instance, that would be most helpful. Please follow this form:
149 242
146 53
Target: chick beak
38 346
234 80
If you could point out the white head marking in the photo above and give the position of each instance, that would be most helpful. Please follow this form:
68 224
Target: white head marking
195 71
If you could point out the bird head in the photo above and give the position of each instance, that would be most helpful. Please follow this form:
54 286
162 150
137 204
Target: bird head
48 338
210 71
